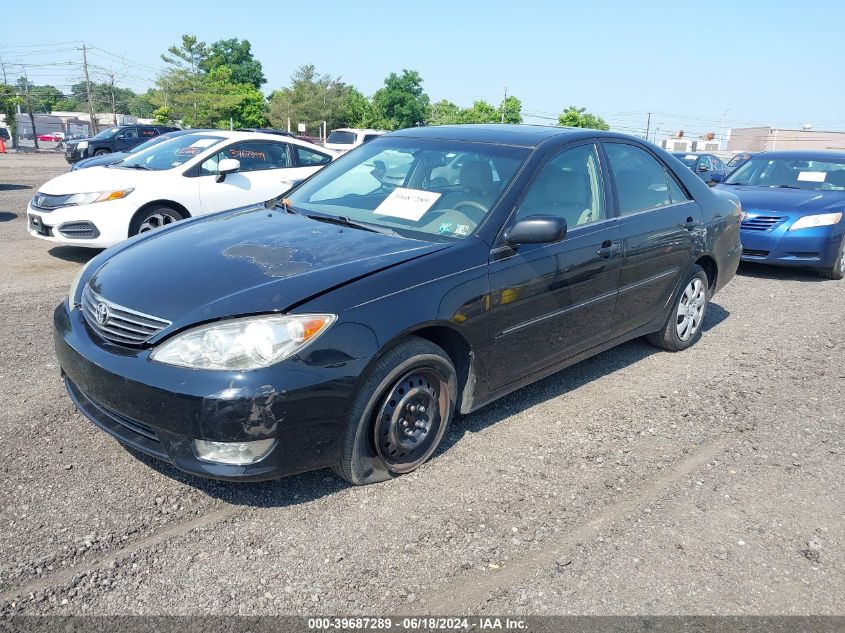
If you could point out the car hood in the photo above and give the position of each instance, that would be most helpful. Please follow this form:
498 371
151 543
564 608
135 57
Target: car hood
98 178
788 201
247 261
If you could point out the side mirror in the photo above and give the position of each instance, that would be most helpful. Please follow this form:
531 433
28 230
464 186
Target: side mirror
717 177
703 167
227 166
537 229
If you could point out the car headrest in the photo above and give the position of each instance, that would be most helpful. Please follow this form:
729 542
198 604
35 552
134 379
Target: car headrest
477 176
567 187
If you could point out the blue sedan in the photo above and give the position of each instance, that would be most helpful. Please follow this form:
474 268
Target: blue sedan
792 204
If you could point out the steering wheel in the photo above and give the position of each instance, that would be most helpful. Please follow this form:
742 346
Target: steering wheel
475 205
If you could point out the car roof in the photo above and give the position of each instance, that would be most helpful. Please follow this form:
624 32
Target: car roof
260 136
504 133
803 154
359 130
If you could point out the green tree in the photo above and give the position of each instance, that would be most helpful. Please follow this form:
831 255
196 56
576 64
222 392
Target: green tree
313 98
142 105
189 56
401 103
9 102
512 109
579 117
236 55
444 112
480 112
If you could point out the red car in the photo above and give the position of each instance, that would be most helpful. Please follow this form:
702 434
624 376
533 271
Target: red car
52 137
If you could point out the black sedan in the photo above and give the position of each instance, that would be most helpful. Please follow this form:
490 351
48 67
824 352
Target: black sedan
344 325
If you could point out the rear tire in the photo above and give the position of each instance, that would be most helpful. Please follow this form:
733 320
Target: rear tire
399 414
153 218
837 271
683 327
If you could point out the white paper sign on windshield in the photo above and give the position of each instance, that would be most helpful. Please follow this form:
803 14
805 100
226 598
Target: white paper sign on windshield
408 204
812 176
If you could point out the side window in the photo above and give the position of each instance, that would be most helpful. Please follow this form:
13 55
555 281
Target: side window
370 137
309 158
717 162
569 186
705 160
148 132
676 192
640 179
130 133
259 155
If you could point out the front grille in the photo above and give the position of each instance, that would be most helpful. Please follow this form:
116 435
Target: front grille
48 202
761 222
79 230
118 324
750 252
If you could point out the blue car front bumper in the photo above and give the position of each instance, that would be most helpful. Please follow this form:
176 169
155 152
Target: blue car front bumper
812 248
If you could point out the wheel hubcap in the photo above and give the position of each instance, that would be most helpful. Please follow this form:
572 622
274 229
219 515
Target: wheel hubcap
410 421
691 309
155 221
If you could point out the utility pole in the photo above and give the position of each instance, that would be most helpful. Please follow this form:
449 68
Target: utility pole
503 104
29 107
648 126
93 118
113 103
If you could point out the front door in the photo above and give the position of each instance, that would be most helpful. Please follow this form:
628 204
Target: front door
267 170
658 220
549 301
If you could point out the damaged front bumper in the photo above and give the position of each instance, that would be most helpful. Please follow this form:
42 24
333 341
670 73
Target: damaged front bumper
160 409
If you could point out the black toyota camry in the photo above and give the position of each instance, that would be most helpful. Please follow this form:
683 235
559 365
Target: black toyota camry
426 273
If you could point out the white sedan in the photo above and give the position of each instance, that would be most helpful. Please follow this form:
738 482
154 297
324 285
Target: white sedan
190 175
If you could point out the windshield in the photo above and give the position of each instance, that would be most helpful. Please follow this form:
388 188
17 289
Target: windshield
107 133
736 160
171 153
435 190
341 138
822 175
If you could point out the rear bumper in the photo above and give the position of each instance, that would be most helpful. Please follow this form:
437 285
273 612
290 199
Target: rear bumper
811 248
159 410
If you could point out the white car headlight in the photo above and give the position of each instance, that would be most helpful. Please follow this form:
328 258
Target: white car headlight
247 343
97 196
810 221
82 145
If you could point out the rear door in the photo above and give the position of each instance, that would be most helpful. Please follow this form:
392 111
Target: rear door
658 220
549 301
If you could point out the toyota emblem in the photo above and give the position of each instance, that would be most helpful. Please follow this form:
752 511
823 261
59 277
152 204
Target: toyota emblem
102 313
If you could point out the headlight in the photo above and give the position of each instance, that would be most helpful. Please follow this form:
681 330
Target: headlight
82 145
248 343
810 221
97 196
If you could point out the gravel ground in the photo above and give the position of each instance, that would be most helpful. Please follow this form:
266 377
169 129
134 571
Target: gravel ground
636 482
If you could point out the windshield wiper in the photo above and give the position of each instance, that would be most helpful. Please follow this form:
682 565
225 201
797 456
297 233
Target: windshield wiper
135 166
342 220
783 187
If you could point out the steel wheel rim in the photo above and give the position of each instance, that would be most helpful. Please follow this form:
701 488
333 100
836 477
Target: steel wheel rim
410 421
691 309
156 221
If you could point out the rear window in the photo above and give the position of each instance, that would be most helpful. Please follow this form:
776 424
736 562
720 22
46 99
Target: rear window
341 138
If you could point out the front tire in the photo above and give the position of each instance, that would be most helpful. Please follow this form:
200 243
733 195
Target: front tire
837 271
153 218
399 414
683 328
101 152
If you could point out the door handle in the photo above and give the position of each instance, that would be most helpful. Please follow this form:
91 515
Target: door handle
690 224
608 249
